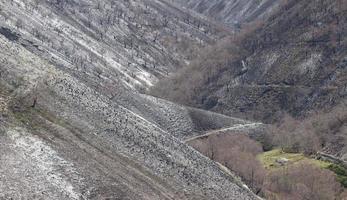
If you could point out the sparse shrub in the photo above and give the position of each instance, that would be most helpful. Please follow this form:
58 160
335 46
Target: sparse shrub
19 24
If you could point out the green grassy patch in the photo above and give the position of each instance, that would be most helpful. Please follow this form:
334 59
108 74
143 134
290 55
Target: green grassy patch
341 173
269 159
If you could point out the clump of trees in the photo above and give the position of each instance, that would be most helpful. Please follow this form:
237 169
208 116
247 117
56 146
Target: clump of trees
302 181
320 131
187 83
238 153
331 128
294 136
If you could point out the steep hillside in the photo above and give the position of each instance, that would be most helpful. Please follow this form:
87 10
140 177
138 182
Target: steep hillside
73 124
233 13
294 62
141 41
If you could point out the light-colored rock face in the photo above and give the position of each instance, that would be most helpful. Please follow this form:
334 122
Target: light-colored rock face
90 134
232 12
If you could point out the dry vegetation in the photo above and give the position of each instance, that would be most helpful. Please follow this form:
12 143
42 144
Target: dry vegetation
238 153
209 62
321 131
236 67
331 128
297 181
304 178
294 137
302 181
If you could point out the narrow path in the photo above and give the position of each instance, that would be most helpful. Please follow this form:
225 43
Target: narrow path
281 86
223 130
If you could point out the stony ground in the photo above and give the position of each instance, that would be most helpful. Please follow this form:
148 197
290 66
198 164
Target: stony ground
77 126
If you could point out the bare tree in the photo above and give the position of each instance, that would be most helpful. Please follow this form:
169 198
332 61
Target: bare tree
295 136
300 182
238 153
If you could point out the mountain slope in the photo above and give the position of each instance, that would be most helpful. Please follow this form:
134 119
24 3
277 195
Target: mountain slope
294 62
73 124
233 12
126 35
